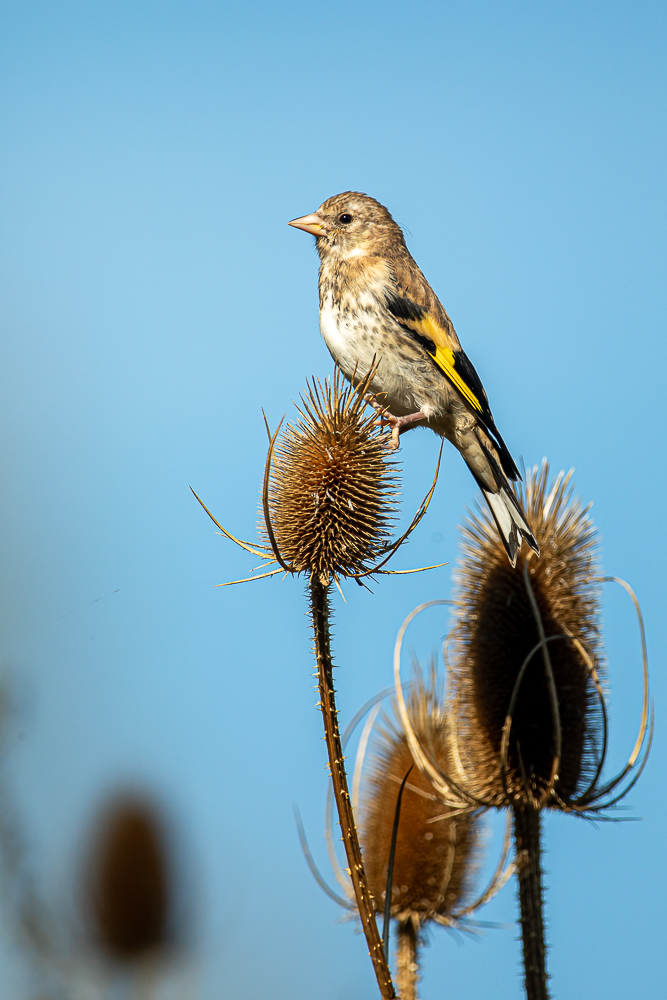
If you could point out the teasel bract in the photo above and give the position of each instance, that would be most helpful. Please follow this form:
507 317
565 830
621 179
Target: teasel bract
525 683
329 500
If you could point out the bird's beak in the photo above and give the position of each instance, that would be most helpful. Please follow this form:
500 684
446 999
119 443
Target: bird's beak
314 224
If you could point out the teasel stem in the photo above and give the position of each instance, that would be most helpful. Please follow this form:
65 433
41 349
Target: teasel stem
320 607
407 964
527 838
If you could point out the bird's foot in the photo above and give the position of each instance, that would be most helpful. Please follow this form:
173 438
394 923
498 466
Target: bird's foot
397 425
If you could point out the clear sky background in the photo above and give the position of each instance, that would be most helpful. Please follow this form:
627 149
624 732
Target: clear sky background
154 300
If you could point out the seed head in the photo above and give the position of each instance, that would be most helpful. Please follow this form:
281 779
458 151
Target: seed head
435 847
130 883
497 627
332 489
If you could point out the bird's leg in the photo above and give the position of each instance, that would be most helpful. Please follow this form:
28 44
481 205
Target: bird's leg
400 424
397 424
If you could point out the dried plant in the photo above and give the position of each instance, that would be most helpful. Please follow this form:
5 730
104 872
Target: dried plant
127 902
531 722
328 503
433 861
129 885
332 490
553 747
412 839
527 662
37 928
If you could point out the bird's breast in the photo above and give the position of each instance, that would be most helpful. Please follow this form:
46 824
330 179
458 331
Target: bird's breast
351 309
351 332
359 330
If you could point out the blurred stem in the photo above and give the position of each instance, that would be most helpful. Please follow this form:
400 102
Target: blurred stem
407 966
320 609
527 839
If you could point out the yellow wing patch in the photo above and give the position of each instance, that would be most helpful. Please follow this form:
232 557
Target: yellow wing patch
444 358
429 328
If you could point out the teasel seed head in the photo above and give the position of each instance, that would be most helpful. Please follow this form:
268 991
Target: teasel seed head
130 883
330 491
436 846
332 488
503 615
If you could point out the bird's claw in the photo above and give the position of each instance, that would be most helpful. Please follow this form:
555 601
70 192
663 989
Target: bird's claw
384 417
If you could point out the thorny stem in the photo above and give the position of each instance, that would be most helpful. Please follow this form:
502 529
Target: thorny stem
319 594
529 873
407 966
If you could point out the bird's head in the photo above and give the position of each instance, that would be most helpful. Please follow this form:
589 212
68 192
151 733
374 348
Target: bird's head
351 224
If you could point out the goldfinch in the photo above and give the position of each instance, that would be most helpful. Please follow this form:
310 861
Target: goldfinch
375 304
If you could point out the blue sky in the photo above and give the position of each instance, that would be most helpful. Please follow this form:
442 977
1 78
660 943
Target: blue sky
154 300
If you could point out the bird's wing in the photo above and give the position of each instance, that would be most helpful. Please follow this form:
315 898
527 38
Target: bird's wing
428 324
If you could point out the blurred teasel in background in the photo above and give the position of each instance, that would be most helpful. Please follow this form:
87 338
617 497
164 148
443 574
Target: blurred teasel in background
127 893
132 902
130 883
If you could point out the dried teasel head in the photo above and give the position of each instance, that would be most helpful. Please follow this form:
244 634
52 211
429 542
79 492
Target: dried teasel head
436 844
330 493
332 488
329 499
526 655
430 843
129 883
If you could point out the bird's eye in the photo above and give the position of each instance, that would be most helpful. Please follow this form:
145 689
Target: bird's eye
345 218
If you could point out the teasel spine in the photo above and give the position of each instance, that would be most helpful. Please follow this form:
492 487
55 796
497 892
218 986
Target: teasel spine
527 826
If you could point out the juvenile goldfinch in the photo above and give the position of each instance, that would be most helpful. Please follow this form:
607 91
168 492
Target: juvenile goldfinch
375 304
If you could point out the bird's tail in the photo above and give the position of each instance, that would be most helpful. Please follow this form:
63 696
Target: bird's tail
503 504
510 520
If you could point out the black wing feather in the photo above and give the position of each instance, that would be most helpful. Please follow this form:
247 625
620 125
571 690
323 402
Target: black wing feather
406 311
